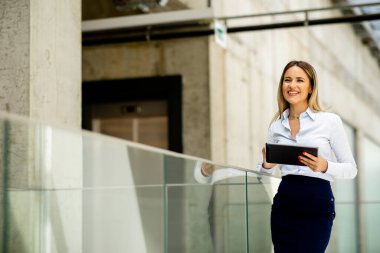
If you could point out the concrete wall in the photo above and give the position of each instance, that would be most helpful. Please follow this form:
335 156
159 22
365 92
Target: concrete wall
185 57
40 73
55 62
14 51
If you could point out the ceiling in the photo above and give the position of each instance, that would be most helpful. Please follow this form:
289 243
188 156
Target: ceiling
367 28
368 31
97 9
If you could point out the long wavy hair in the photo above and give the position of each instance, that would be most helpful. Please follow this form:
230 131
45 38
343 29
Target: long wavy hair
312 98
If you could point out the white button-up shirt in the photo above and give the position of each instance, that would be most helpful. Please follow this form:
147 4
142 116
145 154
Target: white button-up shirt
317 129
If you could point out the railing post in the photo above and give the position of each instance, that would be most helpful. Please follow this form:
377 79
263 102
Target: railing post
5 166
246 212
165 189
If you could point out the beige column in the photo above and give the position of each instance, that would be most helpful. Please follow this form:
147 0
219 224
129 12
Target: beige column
40 70
40 77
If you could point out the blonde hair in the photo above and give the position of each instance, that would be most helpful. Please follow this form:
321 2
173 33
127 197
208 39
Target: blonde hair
312 98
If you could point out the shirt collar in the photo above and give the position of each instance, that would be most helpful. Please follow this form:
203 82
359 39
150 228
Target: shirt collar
308 112
285 114
311 113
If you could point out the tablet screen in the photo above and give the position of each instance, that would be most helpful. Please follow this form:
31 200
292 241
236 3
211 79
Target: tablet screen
287 154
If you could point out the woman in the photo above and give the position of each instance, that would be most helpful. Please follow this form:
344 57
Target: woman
303 209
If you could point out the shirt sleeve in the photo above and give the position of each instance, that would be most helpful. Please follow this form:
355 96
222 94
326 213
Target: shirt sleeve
345 167
259 166
199 177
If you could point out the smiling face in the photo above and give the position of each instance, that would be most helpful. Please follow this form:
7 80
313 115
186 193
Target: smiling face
296 86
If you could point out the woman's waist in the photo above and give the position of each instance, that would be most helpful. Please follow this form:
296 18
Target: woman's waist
305 180
304 186
304 171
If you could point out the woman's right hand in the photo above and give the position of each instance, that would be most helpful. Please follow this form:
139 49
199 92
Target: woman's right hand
266 165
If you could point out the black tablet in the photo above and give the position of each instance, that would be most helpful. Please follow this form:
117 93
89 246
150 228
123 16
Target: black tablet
287 154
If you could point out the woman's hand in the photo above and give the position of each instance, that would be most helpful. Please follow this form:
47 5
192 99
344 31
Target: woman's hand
266 165
316 164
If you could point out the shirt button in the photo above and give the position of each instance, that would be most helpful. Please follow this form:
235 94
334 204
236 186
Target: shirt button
301 172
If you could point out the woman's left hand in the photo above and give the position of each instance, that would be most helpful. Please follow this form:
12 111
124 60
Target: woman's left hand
316 164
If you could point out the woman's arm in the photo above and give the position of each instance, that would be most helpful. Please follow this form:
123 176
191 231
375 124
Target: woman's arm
264 166
345 167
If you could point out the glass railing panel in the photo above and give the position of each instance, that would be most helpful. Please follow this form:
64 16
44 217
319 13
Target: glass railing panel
18 226
78 191
204 213
344 237
261 190
42 157
371 213
36 160
187 201
228 215
110 162
345 231
123 197
370 194
82 192
116 219
43 221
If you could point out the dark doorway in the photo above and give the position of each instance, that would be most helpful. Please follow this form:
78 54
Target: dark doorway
144 110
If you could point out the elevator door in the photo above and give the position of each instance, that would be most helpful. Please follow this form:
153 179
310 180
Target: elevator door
144 110
139 121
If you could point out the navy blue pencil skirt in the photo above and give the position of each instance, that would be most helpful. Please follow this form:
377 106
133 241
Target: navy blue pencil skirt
302 215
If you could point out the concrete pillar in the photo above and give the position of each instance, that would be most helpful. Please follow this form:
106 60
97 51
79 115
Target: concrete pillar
40 70
40 77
